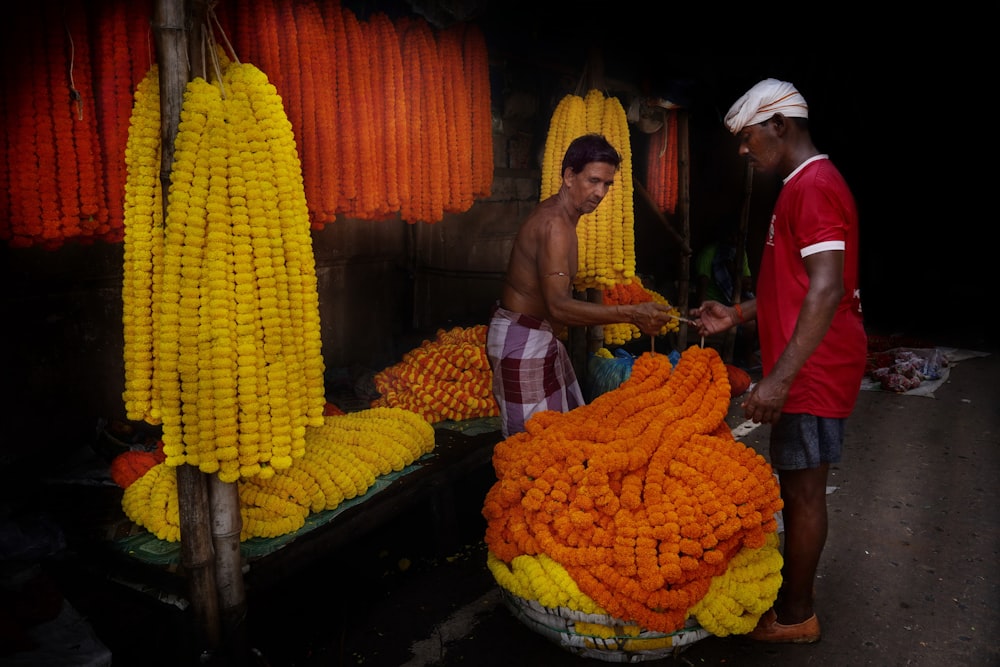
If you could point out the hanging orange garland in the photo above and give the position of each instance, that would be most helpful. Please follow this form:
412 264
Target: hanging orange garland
427 151
413 208
477 65
112 73
434 124
458 121
397 167
362 121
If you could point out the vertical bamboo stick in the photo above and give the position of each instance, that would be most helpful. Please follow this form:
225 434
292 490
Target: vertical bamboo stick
192 490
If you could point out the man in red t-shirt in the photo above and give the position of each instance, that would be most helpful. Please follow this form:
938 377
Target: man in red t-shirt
812 338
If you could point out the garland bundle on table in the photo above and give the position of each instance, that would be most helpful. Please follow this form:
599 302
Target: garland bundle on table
343 458
642 496
445 378
220 301
606 236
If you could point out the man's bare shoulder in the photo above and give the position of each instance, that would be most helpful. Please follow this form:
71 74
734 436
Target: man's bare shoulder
548 214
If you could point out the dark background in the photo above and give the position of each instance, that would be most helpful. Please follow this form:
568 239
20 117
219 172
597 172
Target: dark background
896 112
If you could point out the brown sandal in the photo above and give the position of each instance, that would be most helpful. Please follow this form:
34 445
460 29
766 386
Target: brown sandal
769 630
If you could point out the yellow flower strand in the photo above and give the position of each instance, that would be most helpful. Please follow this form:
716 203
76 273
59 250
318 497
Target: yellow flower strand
143 217
342 460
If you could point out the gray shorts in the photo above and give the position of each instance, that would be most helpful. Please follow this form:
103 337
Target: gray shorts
801 441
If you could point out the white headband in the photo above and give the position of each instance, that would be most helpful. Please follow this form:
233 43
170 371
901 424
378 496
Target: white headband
765 99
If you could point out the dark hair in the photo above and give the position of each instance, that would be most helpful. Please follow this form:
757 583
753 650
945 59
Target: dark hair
589 148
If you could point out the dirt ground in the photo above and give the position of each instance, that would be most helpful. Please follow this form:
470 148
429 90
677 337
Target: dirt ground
909 575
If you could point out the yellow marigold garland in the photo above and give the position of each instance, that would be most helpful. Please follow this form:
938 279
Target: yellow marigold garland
143 216
221 308
642 496
345 456
606 237
733 605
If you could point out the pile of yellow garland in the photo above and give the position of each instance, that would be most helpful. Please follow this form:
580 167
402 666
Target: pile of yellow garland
645 500
343 458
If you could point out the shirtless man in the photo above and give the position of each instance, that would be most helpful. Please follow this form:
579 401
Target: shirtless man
532 371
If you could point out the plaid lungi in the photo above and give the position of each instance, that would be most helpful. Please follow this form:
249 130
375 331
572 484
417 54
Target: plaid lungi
532 371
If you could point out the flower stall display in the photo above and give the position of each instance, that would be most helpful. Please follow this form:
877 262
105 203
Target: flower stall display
640 508
343 458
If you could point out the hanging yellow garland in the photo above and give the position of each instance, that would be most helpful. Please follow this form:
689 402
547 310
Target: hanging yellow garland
221 315
606 237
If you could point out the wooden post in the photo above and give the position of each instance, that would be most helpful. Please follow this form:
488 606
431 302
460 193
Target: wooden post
197 555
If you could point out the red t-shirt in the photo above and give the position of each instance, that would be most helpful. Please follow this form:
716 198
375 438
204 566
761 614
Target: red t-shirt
815 211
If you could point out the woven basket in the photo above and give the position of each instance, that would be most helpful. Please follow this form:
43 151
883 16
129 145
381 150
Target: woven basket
560 625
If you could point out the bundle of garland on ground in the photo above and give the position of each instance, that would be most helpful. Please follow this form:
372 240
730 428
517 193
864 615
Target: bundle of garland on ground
343 457
645 499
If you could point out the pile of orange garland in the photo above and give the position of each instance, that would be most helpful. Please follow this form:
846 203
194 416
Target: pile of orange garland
445 378
644 499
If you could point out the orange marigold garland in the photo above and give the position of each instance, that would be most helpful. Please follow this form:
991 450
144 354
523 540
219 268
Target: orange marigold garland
361 123
447 378
458 118
371 32
113 83
633 291
309 44
415 207
663 170
397 166
477 65
643 496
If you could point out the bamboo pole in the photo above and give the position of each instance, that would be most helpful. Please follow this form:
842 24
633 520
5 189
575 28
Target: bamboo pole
223 497
197 557
226 527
